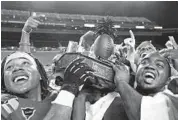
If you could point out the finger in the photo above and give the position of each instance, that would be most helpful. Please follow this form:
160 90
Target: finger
33 25
162 51
132 35
90 73
35 21
165 53
39 17
171 38
31 22
79 66
81 69
81 77
84 78
32 19
76 70
73 63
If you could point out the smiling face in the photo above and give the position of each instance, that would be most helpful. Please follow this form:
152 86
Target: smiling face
21 74
152 73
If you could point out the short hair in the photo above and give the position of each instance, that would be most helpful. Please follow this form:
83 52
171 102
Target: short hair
144 43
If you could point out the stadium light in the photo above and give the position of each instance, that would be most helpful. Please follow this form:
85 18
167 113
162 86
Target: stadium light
140 27
117 26
89 25
158 27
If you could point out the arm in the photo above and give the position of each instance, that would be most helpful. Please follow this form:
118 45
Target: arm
131 98
138 107
30 24
171 38
171 54
130 42
74 76
62 107
79 108
24 44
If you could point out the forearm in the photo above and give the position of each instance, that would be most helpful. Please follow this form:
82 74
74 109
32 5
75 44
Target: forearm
131 99
24 44
59 112
79 108
62 107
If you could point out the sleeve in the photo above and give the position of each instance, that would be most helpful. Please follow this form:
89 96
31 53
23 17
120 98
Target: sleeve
155 108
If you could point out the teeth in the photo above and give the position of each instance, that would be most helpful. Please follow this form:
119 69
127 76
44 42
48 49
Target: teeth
20 77
150 74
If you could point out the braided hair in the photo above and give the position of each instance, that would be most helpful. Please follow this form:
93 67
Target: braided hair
42 72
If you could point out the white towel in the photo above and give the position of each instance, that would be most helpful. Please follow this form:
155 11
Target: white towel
97 110
158 107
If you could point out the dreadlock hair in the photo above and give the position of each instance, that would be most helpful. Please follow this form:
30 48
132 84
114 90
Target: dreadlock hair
42 72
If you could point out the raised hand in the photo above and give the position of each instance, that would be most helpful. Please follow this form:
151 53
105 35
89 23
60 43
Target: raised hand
32 23
130 41
87 40
171 38
169 53
130 44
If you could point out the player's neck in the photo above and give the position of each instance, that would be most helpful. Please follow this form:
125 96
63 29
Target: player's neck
35 94
149 92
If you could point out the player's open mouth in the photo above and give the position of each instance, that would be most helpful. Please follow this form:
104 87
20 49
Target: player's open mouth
21 78
149 77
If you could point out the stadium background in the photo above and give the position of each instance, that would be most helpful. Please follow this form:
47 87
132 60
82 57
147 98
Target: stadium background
48 43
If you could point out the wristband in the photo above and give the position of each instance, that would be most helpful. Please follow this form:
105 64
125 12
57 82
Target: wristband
23 43
65 98
27 29
70 88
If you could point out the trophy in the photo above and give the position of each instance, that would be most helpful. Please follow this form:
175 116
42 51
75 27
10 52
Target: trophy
102 69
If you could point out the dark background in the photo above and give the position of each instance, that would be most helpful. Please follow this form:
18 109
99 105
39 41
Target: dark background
164 13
